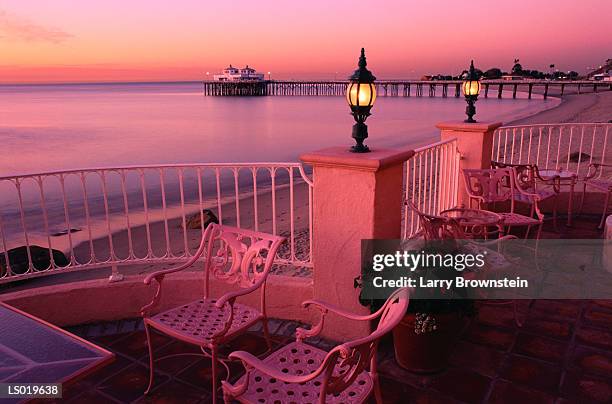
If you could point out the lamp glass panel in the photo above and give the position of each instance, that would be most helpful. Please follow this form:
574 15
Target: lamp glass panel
361 94
471 87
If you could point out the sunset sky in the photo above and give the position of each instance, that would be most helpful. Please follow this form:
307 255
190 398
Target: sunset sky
119 40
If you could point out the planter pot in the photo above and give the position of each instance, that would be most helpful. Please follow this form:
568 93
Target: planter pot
429 352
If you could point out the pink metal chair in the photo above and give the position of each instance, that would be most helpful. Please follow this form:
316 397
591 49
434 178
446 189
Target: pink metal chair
529 180
234 256
301 373
492 186
594 179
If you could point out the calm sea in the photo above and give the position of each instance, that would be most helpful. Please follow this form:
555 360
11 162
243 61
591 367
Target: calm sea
55 127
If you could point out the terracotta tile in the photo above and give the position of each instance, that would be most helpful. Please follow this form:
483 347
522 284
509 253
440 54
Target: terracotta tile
506 392
174 364
130 384
252 343
595 316
595 337
176 392
398 393
495 337
540 347
463 385
586 389
135 344
532 373
496 315
117 365
545 325
479 358
569 309
593 361
91 397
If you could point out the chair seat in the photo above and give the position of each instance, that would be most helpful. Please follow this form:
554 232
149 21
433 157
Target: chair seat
544 194
515 219
198 321
297 359
603 185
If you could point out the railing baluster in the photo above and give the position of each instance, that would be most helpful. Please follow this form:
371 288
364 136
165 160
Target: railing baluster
255 199
236 172
92 254
126 211
43 205
145 206
183 218
162 183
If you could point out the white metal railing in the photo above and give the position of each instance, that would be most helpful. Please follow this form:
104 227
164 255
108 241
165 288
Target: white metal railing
108 217
568 146
431 182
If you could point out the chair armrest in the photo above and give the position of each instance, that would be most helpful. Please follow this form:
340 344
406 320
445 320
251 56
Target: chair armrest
159 275
325 307
594 168
251 362
231 296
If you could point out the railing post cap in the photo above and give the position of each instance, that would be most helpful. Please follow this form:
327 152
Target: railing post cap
459 126
376 160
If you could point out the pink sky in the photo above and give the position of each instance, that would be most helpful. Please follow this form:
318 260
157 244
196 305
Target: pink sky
111 40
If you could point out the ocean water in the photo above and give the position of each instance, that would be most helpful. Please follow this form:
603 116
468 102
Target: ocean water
56 127
59 127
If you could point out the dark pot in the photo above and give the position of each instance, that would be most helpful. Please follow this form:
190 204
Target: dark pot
429 352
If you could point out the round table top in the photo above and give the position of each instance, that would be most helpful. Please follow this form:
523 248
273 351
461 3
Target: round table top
472 217
563 174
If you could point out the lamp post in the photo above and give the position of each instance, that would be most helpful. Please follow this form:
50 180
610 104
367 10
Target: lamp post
471 89
269 76
360 95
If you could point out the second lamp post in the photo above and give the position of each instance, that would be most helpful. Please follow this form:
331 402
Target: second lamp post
471 89
360 95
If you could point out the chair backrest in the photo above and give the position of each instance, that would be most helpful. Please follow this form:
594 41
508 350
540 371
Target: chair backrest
345 362
525 174
490 185
238 256
437 227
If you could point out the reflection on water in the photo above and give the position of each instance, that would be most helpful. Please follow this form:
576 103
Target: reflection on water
58 127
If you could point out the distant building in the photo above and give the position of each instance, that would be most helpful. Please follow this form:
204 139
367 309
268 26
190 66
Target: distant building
510 77
601 77
232 73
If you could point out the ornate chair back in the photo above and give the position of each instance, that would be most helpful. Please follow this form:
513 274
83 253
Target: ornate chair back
525 174
490 185
345 362
238 256
437 227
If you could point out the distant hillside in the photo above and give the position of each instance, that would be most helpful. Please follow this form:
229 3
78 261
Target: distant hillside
603 69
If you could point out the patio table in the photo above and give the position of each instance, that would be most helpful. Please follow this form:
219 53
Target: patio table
566 178
34 351
475 222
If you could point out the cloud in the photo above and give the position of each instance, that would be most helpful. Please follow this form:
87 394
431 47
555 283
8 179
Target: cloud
13 27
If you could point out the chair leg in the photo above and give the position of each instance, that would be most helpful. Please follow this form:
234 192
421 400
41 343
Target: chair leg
214 373
605 211
582 199
266 331
377 392
555 211
151 360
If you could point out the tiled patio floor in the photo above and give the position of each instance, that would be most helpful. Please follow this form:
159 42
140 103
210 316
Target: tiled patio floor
563 354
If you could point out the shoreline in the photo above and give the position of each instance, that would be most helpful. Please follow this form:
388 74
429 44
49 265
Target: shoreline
588 107
572 108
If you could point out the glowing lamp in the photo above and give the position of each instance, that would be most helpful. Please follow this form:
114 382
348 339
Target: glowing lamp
471 89
361 94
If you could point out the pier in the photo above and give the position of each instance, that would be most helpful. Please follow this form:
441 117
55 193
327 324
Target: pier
403 88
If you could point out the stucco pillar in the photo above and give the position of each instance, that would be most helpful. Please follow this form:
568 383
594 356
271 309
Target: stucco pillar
356 196
474 142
